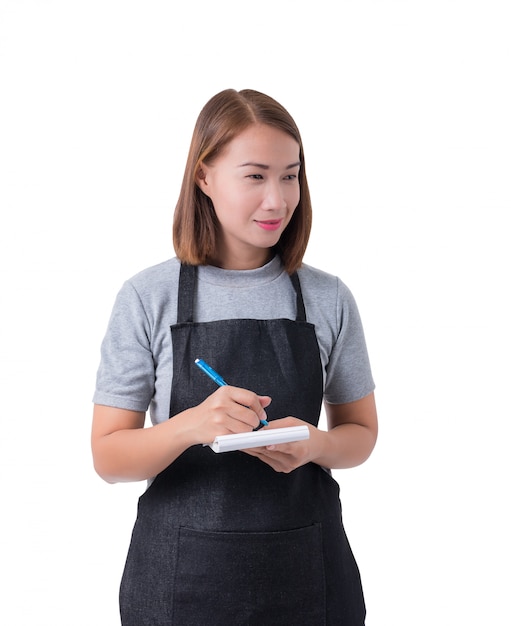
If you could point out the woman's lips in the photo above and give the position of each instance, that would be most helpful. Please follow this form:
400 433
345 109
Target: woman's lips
269 224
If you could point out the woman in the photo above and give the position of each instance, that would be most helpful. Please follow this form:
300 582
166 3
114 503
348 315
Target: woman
253 536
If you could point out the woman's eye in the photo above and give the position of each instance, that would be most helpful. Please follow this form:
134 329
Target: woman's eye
290 177
256 176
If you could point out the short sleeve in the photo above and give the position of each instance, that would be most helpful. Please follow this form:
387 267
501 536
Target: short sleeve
349 375
125 377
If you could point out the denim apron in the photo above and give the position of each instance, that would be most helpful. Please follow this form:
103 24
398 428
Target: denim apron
223 539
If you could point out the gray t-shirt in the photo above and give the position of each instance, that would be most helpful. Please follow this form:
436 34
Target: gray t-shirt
135 371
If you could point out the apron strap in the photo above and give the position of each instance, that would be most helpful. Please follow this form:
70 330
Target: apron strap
186 294
300 306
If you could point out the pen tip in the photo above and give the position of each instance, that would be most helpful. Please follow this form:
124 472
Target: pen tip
197 360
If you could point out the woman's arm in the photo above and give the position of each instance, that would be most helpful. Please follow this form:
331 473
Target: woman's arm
349 441
352 433
123 450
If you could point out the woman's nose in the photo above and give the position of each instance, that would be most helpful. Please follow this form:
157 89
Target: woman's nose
274 197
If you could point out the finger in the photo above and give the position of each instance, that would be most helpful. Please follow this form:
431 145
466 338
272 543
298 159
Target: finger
276 464
252 401
244 414
264 400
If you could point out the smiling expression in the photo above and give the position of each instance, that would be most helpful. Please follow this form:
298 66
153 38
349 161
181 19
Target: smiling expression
254 187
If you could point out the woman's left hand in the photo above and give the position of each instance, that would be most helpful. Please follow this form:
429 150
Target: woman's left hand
348 442
286 457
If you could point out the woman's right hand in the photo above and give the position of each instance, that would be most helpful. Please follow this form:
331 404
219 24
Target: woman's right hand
228 410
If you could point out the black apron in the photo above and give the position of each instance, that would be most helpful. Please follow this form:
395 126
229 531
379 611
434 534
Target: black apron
223 539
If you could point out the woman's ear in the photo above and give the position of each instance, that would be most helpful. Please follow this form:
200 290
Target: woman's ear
200 178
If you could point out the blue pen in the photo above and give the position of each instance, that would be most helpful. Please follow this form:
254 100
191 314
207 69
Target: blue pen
207 369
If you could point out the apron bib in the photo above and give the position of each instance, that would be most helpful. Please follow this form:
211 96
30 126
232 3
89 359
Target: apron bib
223 539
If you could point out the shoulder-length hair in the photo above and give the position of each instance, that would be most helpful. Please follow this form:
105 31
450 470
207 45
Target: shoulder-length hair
224 117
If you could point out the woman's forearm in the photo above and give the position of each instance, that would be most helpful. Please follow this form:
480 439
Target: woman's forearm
352 433
345 446
138 453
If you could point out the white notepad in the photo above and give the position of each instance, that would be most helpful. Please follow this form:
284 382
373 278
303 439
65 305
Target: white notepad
263 437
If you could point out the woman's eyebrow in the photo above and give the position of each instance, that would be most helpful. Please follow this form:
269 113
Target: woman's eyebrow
267 167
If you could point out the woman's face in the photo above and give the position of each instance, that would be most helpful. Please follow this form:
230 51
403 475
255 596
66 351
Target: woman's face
253 185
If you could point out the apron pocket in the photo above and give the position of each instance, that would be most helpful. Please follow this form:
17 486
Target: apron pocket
250 578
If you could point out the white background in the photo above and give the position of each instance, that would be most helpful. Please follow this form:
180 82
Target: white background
404 111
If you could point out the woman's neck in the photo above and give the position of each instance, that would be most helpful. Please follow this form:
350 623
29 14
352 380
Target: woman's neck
251 262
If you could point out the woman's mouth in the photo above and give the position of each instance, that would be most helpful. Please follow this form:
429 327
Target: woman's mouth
269 224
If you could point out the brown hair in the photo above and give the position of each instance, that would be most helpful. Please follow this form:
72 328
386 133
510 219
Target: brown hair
224 117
